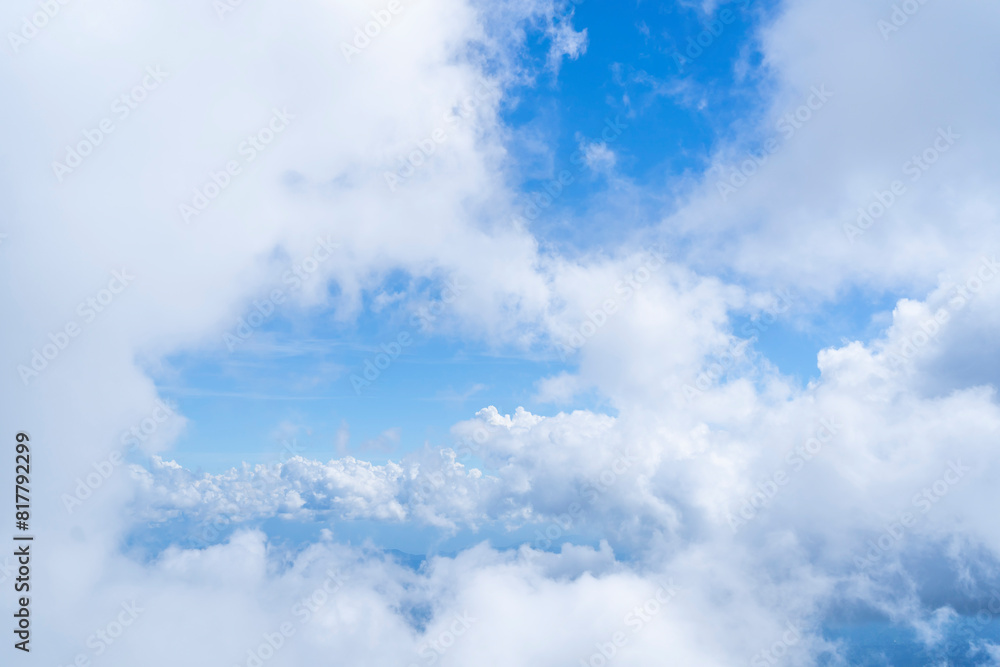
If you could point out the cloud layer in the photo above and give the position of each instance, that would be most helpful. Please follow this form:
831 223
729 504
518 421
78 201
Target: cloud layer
167 164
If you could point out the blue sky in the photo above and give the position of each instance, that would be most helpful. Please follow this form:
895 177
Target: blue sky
673 114
298 374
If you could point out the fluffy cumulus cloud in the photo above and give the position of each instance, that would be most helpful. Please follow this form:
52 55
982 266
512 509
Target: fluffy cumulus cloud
531 468
167 163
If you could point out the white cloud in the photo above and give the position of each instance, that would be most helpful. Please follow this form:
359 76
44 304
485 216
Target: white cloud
888 101
566 42
599 157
